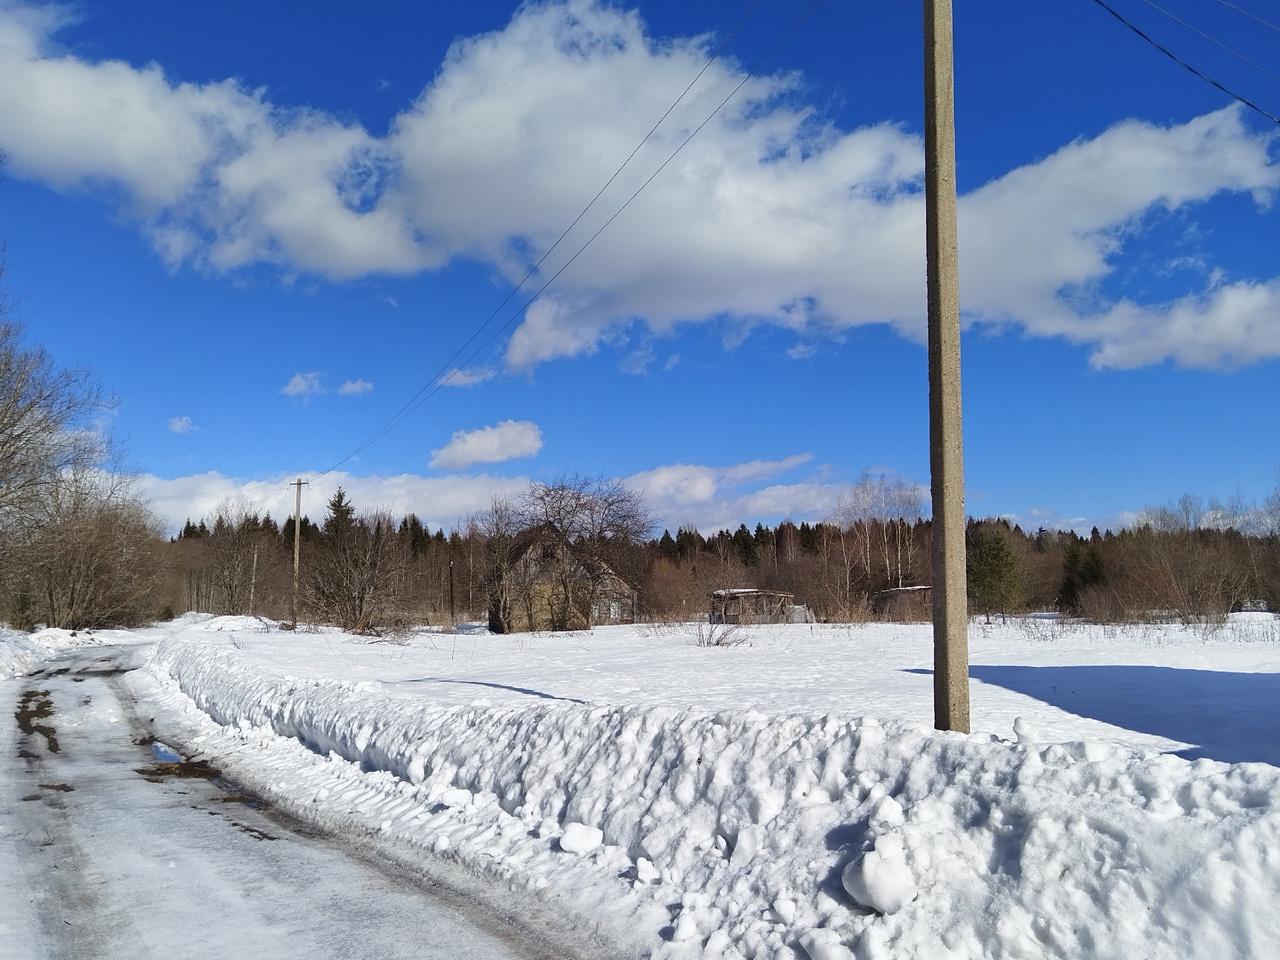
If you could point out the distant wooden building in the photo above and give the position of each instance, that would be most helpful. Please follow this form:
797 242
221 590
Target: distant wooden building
906 604
752 605
548 583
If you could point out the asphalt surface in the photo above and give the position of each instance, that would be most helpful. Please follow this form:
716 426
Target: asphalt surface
113 846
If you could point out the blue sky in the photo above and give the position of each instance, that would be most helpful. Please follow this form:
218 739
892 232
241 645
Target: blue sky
202 205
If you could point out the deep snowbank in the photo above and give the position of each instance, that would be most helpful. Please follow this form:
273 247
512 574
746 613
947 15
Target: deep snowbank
968 846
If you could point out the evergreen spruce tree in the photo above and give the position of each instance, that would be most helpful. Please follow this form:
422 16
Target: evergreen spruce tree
993 569
667 546
341 520
1082 568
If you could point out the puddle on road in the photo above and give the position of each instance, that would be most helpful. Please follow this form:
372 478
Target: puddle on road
170 764
34 706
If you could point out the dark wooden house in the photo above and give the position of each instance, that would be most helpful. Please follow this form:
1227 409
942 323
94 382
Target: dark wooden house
549 583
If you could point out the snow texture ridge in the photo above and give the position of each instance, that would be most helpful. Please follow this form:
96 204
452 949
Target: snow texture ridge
849 837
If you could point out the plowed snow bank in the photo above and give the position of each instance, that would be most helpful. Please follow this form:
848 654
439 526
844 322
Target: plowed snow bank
756 830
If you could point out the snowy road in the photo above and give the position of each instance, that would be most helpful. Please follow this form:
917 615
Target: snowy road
109 849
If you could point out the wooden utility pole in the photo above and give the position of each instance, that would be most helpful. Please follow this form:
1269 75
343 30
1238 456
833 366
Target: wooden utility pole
297 543
946 444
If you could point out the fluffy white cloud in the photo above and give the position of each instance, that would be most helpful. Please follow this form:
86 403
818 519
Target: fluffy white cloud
181 425
688 494
303 385
353 388
1228 325
438 501
709 498
467 376
508 440
771 215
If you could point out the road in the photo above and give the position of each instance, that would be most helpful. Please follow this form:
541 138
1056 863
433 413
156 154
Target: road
112 847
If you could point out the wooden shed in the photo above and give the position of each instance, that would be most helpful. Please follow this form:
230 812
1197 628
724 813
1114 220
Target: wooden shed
904 604
752 605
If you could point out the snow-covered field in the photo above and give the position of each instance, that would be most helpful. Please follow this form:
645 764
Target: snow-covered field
1167 687
789 794
787 797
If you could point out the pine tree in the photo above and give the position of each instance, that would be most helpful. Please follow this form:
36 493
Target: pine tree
341 520
745 546
993 569
1082 568
667 546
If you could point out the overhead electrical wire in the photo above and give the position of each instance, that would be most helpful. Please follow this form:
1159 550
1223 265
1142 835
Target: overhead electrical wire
449 368
1184 64
1252 16
433 386
1212 39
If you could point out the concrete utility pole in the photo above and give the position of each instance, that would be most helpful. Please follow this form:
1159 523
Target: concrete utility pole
453 617
253 579
297 543
946 443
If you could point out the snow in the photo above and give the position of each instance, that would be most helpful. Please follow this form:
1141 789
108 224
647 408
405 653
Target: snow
578 838
98 861
22 652
1067 682
788 794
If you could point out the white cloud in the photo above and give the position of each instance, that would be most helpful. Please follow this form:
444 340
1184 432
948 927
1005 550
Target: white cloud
353 388
467 376
801 351
508 440
438 501
770 216
181 425
305 385
706 497
686 494
1229 325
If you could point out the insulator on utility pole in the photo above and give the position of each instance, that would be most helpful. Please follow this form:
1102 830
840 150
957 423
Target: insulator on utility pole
946 444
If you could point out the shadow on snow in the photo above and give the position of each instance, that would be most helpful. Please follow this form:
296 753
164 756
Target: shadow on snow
1233 717
496 686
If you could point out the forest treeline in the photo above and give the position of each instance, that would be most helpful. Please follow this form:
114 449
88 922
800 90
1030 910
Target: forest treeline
79 548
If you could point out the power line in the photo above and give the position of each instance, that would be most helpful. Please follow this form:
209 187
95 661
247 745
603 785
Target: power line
1212 39
445 367
1186 66
429 390
1251 16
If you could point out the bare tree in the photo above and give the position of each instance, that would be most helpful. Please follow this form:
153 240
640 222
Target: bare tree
45 427
603 522
233 546
505 578
89 559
